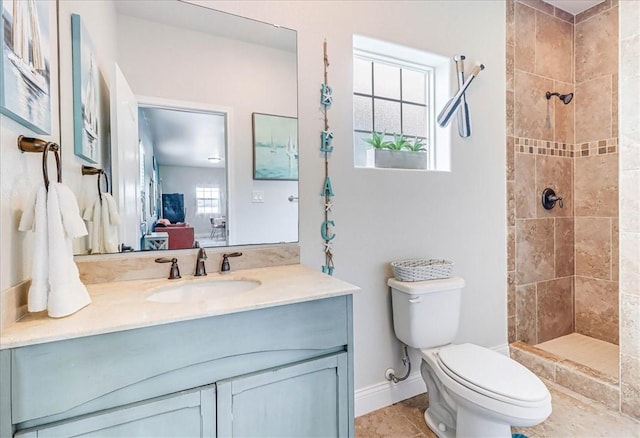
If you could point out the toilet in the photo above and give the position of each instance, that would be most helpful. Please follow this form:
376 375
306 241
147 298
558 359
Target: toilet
473 391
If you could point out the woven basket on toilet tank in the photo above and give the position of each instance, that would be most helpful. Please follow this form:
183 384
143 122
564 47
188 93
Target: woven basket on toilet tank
421 269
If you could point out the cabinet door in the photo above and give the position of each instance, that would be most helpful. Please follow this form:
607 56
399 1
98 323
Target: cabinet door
307 399
187 414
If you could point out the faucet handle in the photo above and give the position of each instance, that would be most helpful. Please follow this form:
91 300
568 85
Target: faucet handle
226 267
174 271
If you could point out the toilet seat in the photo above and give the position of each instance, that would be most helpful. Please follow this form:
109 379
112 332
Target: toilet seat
492 375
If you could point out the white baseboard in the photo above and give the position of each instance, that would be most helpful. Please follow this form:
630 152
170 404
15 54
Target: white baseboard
386 393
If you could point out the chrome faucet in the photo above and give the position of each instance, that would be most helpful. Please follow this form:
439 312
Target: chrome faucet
200 258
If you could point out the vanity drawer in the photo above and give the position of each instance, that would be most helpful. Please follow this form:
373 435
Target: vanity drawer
98 372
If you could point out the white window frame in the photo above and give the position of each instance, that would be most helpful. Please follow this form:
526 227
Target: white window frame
210 202
439 147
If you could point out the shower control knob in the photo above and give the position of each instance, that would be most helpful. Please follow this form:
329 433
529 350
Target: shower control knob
549 199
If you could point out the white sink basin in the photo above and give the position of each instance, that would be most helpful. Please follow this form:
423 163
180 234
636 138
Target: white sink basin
202 291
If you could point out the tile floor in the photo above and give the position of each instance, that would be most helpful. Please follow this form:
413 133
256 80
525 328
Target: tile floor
573 416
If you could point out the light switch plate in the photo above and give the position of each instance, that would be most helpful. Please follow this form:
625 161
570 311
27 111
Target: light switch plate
257 196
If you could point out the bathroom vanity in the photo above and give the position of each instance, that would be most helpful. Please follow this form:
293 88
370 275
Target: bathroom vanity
273 361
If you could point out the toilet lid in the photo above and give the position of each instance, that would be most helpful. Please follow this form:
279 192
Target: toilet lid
491 373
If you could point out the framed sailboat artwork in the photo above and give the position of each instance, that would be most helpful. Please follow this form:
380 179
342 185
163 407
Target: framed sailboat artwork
86 93
275 147
25 68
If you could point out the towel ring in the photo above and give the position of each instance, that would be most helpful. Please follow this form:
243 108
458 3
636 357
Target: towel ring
90 170
31 144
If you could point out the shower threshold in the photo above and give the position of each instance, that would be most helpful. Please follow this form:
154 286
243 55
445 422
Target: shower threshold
582 364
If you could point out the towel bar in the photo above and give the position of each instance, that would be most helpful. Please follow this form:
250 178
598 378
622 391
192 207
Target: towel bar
31 144
90 170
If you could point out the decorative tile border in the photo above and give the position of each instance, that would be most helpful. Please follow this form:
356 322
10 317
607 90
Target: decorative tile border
555 148
543 147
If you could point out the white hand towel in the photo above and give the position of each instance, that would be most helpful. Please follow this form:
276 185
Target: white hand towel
110 220
66 294
114 216
34 218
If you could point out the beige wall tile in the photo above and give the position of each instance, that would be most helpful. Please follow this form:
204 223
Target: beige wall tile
554 48
564 247
525 34
556 173
511 294
630 201
511 329
540 5
596 186
564 114
605 393
509 103
511 249
596 46
526 313
530 106
630 385
592 11
511 204
535 250
596 308
593 247
510 22
531 358
629 81
510 65
629 19
525 186
593 101
630 263
614 105
563 15
630 325
555 308
511 172
615 250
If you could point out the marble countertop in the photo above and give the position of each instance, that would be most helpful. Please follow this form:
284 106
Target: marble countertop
123 305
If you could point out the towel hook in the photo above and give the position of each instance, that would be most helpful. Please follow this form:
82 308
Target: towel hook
31 144
90 170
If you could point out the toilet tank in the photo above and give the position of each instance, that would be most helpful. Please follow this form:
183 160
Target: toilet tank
426 313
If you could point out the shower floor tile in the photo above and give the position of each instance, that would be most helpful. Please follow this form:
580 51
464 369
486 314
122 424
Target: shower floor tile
596 354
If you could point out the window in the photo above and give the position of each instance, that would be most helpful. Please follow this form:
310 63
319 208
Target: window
207 200
394 92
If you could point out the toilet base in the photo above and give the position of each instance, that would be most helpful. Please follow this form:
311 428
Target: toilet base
470 422
467 426
437 426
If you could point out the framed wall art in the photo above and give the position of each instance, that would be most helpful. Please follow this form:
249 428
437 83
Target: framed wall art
86 93
275 147
25 70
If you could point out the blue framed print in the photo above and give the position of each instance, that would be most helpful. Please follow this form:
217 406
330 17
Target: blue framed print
25 70
86 93
275 147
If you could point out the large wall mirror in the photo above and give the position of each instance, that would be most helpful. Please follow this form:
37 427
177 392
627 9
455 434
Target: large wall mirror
181 142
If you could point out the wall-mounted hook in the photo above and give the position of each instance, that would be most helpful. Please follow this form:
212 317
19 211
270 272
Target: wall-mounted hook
549 199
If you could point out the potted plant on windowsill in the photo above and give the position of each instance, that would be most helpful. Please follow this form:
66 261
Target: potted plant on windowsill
397 154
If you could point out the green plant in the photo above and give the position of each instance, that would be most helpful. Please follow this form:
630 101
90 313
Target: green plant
398 143
377 140
417 145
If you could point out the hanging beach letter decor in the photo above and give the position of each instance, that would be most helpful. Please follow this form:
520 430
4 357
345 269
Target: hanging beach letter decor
326 137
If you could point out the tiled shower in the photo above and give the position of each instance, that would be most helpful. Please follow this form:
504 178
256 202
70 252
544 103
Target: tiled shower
563 263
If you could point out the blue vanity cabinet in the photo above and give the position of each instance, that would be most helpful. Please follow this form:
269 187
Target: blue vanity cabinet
301 400
279 371
190 415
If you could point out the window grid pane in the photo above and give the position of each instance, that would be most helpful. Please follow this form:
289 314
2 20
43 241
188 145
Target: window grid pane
207 200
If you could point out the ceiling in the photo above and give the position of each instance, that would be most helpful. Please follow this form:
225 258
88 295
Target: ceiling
185 138
574 6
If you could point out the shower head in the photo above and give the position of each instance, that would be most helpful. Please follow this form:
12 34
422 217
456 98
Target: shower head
565 98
